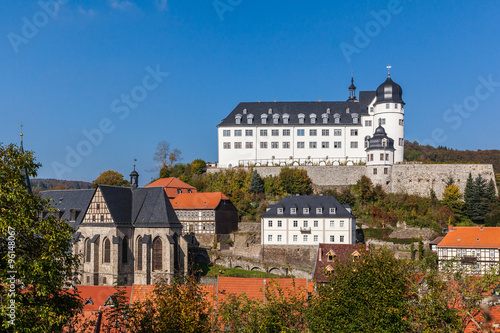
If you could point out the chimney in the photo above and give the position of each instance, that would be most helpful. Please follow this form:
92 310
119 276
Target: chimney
450 228
481 227
320 253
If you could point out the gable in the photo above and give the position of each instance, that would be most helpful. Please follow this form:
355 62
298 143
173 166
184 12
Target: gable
98 211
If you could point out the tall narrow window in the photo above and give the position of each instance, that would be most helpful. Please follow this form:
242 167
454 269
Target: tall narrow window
139 253
125 250
107 251
157 254
87 250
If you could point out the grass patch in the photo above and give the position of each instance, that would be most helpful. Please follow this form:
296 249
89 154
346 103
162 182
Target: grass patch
213 271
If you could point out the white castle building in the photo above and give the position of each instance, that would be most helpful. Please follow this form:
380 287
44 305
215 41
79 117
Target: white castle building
316 133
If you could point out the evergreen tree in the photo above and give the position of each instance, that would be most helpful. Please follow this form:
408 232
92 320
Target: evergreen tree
479 200
468 190
256 184
492 193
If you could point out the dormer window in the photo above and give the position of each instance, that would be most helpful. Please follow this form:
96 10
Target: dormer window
347 110
331 255
333 210
336 117
250 119
306 210
312 116
328 111
270 111
237 119
286 116
280 210
324 116
293 210
319 210
301 118
179 191
263 118
371 108
276 117
384 142
355 118
244 111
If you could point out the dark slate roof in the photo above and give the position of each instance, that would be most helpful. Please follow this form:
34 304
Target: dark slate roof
342 253
119 202
151 207
375 142
70 199
308 201
389 92
295 108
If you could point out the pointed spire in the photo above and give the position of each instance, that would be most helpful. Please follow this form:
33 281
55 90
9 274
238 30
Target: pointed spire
134 177
389 70
26 177
352 88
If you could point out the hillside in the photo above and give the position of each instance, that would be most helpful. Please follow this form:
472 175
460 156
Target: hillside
428 154
57 184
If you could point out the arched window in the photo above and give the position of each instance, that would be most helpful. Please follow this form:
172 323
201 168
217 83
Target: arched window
312 116
301 118
87 250
263 118
336 117
107 251
139 253
276 118
125 250
237 119
250 118
157 254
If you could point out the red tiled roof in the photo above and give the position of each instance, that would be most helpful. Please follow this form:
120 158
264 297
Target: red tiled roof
172 185
205 200
482 237
341 252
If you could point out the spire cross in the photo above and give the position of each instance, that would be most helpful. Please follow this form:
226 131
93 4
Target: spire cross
389 70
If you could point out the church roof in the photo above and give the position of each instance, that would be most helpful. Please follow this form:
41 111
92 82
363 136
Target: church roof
66 200
345 110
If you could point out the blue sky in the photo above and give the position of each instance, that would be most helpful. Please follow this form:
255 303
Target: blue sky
68 71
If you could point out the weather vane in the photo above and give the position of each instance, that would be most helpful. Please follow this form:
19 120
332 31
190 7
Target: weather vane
389 70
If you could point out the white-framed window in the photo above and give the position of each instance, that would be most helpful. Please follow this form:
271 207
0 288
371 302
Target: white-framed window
279 238
371 108
293 210
237 145
332 238
263 132
295 223
312 145
332 224
286 145
319 210
226 133
263 145
325 132
355 120
275 132
250 119
269 238
341 239
227 145
300 132
325 144
248 132
300 144
337 144
270 223
263 120
337 132
316 224
286 132
315 238
285 118
237 132
305 223
445 252
382 121
295 238
492 253
354 144
306 210
249 145
401 122
275 145
332 210
305 238
368 122
401 142
337 120
280 223
354 132
280 211
313 132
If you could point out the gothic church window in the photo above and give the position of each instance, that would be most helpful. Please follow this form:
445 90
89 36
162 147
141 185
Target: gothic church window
107 251
157 254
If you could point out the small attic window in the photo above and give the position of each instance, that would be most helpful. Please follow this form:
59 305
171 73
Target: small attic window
384 142
306 210
179 191
244 111
347 110
328 111
313 118
336 117
280 210
332 210
263 118
250 119
276 118
286 116
355 117
293 210
237 119
331 255
270 111
301 118
329 268
325 118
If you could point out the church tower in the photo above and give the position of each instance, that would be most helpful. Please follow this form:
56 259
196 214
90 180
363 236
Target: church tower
134 179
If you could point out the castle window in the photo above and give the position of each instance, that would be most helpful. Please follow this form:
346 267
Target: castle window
337 144
401 122
286 116
401 142
374 171
275 132
227 145
263 132
157 254
87 250
286 132
301 118
102 218
125 250
300 132
237 132
325 118
382 121
286 145
276 117
237 119
224 133
237 145
107 251
248 132
368 122
386 171
313 132
250 119
332 238
139 253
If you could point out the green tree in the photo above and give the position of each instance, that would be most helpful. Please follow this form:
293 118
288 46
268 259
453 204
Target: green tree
110 177
36 264
451 199
364 188
295 181
257 184
477 203
198 166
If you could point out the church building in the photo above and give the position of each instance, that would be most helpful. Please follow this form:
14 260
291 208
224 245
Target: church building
313 133
131 235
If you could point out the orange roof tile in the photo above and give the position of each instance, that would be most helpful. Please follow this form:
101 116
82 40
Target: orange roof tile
172 185
205 200
482 237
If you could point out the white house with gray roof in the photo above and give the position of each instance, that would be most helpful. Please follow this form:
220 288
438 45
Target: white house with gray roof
308 220
311 133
